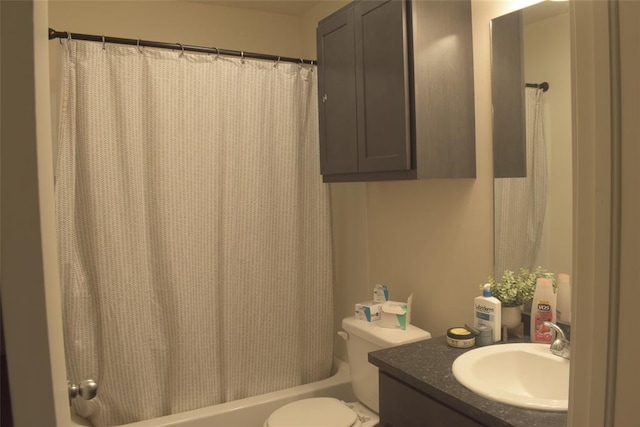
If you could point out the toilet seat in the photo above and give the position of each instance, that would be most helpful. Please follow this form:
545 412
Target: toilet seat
314 412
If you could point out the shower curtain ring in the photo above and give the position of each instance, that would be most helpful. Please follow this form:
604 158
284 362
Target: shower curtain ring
139 47
103 44
217 53
242 56
68 40
181 47
275 64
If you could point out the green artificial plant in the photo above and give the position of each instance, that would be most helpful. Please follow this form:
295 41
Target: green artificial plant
513 290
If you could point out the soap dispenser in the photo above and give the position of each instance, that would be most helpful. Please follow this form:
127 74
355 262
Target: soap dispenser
488 312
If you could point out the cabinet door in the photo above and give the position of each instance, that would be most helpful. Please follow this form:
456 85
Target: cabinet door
403 406
337 95
507 94
382 70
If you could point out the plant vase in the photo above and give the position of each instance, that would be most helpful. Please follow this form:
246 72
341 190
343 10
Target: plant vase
511 316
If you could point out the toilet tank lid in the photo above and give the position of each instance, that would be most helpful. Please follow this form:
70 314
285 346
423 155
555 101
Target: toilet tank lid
383 337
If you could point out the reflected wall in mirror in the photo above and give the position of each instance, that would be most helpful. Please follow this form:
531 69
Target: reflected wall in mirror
532 139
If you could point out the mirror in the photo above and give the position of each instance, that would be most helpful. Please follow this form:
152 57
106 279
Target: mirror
532 139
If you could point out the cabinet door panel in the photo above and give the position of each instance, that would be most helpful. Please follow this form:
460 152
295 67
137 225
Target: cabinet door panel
383 86
403 406
337 95
507 92
443 89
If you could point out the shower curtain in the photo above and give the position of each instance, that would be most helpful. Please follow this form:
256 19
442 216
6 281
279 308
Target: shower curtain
521 203
194 230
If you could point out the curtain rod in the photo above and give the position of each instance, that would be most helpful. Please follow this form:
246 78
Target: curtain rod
53 34
544 86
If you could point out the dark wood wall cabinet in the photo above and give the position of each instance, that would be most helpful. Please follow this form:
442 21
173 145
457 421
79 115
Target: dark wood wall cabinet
395 91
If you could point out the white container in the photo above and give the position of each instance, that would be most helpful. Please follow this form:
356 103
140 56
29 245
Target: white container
564 298
369 311
543 308
487 311
396 315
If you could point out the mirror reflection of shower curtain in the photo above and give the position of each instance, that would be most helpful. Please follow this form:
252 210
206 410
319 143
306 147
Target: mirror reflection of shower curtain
521 203
194 230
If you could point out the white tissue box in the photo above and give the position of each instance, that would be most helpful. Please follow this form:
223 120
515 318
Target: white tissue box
396 315
369 311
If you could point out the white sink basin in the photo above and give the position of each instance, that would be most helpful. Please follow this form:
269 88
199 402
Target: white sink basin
524 375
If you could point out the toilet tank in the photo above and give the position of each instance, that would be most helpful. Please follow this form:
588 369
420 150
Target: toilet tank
364 337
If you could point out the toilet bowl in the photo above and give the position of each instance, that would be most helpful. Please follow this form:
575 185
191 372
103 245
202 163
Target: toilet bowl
322 412
362 337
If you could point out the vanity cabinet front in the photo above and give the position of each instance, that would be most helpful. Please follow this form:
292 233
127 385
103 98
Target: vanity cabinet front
395 91
403 406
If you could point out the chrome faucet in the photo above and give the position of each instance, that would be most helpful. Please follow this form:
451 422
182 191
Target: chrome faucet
560 345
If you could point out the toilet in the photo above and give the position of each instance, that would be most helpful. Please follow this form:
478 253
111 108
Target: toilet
362 337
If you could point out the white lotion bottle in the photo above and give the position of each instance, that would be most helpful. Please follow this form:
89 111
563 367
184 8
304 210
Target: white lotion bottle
487 311
543 309
564 298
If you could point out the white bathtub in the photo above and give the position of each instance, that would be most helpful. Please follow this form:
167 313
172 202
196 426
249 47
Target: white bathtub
252 411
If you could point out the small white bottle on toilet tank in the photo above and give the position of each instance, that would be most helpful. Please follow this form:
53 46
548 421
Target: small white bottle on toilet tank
487 311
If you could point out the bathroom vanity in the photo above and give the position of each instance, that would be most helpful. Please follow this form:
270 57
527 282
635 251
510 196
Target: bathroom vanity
417 388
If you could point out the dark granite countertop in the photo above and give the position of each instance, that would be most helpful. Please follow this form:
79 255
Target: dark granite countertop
426 366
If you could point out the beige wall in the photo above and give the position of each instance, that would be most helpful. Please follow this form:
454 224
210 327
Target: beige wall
183 22
192 23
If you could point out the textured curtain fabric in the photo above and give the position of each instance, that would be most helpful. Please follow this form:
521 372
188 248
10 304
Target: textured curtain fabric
194 230
521 203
